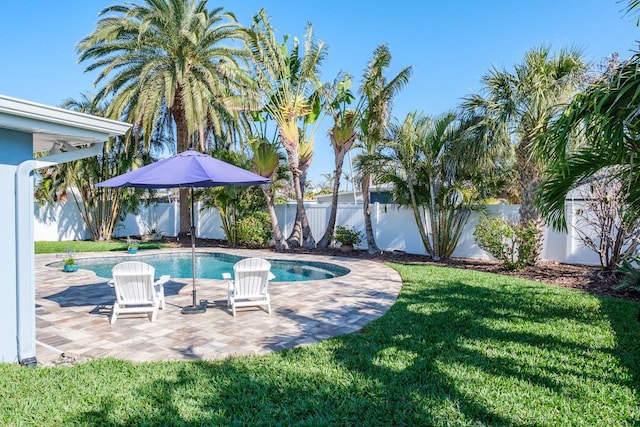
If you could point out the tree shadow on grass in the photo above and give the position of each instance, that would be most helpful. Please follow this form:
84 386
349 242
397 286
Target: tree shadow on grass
449 352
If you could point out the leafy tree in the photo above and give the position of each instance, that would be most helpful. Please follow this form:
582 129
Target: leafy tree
100 208
521 104
167 63
287 83
378 93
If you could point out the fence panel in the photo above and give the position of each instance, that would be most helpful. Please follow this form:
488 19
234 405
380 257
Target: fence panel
394 228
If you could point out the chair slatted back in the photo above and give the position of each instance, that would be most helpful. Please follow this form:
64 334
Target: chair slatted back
251 277
133 282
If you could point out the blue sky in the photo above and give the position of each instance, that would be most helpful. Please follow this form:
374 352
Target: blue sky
451 44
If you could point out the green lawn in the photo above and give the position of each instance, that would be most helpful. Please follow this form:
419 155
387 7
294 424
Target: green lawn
458 348
52 247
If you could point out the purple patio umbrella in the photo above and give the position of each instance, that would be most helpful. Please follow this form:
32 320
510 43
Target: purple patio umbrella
187 169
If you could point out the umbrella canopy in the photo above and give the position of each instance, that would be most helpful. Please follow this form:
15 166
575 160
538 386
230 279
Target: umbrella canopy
187 169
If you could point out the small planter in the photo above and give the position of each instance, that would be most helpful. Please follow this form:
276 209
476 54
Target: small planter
346 248
70 268
132 250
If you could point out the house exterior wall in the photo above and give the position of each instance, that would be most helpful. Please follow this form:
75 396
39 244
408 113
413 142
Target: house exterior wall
15 147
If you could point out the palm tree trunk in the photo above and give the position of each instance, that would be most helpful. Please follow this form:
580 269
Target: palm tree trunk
301 224
307 236
418 218
331 225
281 243
182 143
530 177
366 208
301 233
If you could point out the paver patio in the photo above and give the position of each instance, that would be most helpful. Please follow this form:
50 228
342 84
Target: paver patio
73 309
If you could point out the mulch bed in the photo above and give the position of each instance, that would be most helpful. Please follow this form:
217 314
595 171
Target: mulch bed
583 277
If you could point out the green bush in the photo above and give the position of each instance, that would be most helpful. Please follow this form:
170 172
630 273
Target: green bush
513 244
254 230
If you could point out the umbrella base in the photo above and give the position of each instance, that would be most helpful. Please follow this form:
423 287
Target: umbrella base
198 309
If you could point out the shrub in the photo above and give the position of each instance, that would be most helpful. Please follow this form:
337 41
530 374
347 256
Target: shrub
513 244
604 225
254 230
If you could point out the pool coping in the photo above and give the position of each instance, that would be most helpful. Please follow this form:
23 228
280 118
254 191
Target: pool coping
73 309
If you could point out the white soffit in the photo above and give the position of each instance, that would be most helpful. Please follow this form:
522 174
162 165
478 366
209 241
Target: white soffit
49 124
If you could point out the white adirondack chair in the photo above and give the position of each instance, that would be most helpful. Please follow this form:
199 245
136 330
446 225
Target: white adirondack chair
250 284
136 291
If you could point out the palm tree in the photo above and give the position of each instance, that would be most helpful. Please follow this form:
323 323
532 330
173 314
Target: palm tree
522 103
266 162
100 208
165 63
343 137
597 132
378 93
328 181
305 154
289 88
604 119
421 157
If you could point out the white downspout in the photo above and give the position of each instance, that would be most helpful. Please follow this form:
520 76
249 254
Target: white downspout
25 260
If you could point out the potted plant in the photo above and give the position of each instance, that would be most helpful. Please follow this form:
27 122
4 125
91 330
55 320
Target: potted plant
132 246
347 237
70 263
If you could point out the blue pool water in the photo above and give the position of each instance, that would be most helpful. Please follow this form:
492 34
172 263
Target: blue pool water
212 265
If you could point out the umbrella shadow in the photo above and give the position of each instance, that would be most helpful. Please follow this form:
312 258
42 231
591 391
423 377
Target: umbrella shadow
99 294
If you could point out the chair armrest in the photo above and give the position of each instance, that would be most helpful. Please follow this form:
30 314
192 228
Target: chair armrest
226 276
111 283
163 279
271 276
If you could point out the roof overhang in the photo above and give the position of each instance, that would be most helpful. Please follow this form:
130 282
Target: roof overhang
51 124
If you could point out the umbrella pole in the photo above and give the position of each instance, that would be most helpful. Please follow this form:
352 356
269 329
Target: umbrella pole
195 308
193 261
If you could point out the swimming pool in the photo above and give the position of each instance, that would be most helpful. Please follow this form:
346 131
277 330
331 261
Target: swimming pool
211 265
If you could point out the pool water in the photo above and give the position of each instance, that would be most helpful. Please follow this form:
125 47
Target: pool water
212 265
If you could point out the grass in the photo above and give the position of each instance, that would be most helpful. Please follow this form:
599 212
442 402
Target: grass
459 348
45 247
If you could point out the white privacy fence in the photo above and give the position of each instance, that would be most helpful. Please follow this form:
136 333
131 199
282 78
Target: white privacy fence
394 228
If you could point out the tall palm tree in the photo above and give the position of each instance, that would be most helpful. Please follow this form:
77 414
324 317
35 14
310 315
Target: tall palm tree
343 137
288 84
165 63
522 103
378 92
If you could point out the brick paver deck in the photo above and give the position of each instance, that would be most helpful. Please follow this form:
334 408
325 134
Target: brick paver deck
73 311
